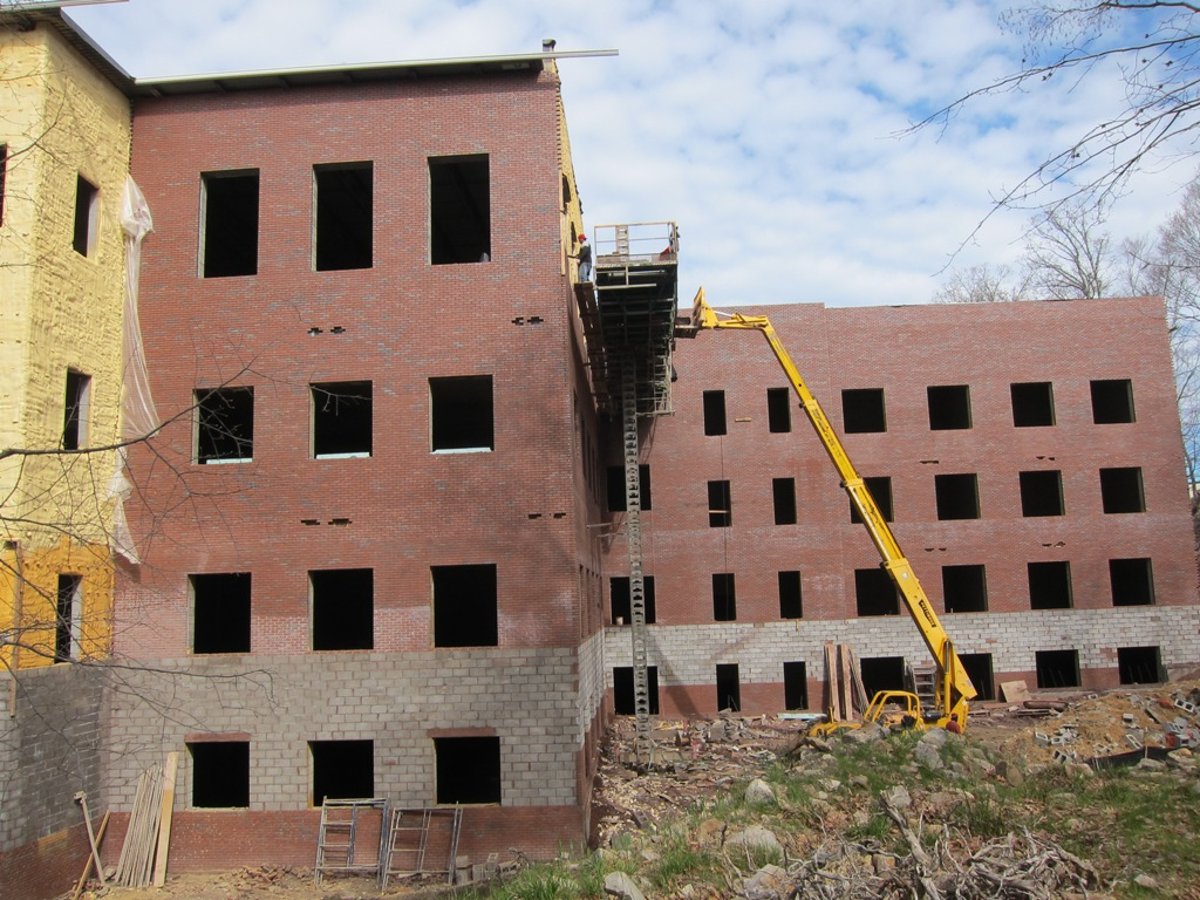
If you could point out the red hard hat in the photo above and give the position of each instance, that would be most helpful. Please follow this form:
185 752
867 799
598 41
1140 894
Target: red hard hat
583 237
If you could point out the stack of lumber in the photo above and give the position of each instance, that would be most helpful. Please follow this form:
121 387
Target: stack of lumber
149 831
843 679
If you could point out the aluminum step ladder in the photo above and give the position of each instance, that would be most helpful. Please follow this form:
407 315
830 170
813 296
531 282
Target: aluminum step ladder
408 842
341 849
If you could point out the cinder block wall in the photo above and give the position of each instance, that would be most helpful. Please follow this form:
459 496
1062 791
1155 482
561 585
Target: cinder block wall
49 749
904 351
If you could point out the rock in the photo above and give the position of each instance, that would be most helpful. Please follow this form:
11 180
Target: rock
1145 881
1010 773
831 784
898 797
927 755
860 781
868 734
755 838
882 864
758 793
618 884
1080 770
935 737
1151 765
768 883
818 744
709 833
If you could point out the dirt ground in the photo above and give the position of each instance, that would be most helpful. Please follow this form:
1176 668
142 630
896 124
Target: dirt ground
696 757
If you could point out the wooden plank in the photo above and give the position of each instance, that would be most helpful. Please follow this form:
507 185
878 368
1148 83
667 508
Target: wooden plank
164 828
861 700
87 866
1014 691
846 680
831 682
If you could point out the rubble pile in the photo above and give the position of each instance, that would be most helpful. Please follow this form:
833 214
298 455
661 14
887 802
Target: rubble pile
1121 726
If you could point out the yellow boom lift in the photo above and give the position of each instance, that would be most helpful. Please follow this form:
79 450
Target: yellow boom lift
953 688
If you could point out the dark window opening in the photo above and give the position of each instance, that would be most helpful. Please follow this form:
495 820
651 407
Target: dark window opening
964 588
863 411
714 412
468 769
1112 401
68 619
566 194
225 425
616 488
724 597
220 774
1050 585
949 407
1132 582
221 613
622 611
979 670
1041 493
784 492
875 593
341 417
729 691
461 413
779 410
3 177
87 204
791 601
1140 665
882 673
720 505
343 609
795 686
1032 404
465 612
230 226
342 770
623 699
460 217
1121 490
1057 668
76 410
880 489
344 216
957 496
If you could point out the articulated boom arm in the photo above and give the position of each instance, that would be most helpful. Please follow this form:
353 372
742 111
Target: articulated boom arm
954 687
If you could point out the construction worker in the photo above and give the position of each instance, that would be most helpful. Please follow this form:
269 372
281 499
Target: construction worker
585 259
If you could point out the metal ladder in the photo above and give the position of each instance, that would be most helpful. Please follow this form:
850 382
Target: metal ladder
644 746
338 836
406 844
925 686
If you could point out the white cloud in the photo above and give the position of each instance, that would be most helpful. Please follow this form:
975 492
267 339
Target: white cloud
767 130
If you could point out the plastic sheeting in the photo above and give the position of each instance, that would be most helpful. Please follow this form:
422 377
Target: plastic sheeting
139 419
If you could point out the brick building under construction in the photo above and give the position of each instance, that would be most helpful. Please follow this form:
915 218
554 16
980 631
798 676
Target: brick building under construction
381 537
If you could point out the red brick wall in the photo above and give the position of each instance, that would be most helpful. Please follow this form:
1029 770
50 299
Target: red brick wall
46 867
904 350
217 841
405 321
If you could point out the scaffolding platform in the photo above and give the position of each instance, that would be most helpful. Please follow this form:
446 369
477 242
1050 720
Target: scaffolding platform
629 313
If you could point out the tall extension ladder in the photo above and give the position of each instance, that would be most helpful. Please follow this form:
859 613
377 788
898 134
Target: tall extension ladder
644 746
338 847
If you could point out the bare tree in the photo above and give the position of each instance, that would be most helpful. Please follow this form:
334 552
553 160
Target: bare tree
1152 46
1067 254
983 283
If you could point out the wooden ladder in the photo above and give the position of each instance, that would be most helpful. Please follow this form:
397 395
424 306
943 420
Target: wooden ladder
925 687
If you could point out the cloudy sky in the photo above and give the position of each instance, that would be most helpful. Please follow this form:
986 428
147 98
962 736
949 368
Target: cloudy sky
771 130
